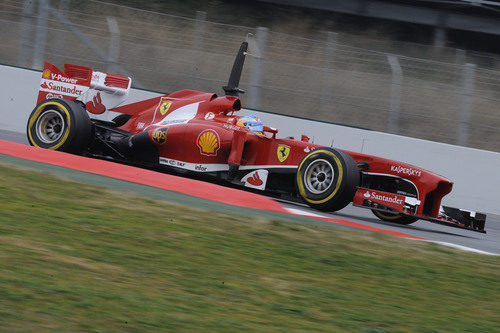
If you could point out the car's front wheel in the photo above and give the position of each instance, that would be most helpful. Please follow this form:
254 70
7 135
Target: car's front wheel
59 124
327 179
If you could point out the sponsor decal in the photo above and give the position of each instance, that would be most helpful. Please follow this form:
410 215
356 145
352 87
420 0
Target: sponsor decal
209 116
230 120
95 105
173 122
46 74
62 78
307 149
140 125
164 106
209 142
256 179
231 127
283 151
160 135
178 116
196 166
171 162
405 171
381 197
50 95
96 76
65 89
199 167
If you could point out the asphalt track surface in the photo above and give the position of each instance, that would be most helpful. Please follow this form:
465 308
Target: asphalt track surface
489 243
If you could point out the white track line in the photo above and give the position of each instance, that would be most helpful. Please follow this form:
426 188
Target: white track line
463 248
297 211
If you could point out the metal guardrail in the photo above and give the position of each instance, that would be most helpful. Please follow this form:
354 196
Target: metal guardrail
445 95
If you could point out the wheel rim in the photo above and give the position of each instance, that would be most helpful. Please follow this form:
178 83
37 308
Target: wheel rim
50 126
318 177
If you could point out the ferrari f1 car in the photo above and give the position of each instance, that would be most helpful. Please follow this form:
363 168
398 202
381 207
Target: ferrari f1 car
80 111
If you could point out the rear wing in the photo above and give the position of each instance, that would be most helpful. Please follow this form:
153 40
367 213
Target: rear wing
97 90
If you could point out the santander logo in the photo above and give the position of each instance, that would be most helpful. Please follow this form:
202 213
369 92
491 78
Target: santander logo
381 197
65 89
255 179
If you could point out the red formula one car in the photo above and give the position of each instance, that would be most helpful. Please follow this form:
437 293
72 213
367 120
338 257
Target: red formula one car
200 133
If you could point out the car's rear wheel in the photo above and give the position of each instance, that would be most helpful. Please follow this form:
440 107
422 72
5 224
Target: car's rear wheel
327 179
394 217
59 124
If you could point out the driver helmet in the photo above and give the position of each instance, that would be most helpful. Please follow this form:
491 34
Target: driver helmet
251 122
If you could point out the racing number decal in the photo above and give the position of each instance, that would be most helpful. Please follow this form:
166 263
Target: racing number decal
283 151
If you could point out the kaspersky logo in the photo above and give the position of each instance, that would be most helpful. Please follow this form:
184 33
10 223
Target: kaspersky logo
381 197
406 171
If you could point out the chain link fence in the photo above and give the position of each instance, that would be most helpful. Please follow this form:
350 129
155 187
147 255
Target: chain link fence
440 94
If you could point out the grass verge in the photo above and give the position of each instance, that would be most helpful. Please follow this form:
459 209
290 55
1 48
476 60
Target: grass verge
76 257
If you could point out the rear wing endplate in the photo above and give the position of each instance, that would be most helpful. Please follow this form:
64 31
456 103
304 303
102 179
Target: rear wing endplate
99 91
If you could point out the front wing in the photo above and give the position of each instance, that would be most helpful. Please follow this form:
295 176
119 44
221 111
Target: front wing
396 203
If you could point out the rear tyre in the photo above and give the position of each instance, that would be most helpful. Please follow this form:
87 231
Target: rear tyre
59 124
327 179
394 217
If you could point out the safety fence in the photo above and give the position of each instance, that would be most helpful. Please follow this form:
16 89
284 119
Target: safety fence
440 94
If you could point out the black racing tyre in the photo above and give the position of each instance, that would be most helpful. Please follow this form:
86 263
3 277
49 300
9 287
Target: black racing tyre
394 217
59 124
327 179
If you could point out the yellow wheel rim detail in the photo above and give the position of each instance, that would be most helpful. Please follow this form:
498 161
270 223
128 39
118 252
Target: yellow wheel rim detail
37 113
300 183
386 217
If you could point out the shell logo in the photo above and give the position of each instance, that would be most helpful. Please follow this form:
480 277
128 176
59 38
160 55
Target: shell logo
209 142
46 73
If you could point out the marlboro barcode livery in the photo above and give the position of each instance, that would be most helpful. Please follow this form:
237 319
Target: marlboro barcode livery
81 111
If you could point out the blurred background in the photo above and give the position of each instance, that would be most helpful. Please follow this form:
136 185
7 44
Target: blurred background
425 69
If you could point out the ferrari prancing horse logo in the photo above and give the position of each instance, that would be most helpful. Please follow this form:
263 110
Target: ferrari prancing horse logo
283 152
164 107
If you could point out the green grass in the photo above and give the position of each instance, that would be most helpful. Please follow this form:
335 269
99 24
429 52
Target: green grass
74 257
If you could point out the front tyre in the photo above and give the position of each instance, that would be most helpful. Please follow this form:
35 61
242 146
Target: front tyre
59 124
394 217
327 179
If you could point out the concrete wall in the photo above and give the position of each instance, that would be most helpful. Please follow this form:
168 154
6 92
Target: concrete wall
476 173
